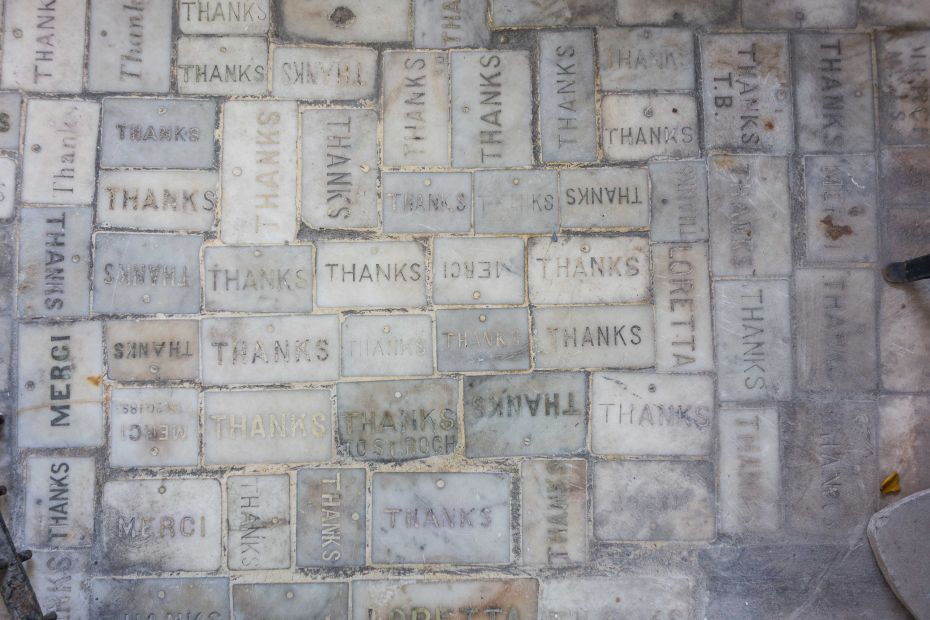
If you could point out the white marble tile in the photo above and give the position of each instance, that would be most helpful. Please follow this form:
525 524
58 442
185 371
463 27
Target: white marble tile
258 278
904 441
59 499
682 296
565 86
554 503
617 596
7 187
903 69
478 271
645 58
639 127
231 66
426 202
491 109
440 518
331 517
361 21
800 14
840 209
153 349
291 601
258 514
54 261
658 12
750 474
648 414
572 337
267 426
259 172
377 274
586 269
43 46
516 201
10 112
679 201
60 579
130 46
60 151
324 73
158 133
167 200
482 340
154 427
523 14
904 337
415 108
269 350
203 596
604 198
540 414
140 273
212 17
388 345
443 24
60 388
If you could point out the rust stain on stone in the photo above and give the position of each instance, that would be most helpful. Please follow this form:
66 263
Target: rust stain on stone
834 231
95 380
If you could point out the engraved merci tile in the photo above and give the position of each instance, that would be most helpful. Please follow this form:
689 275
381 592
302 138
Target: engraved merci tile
258 279
617 597
43 46
440 518
54 261
385 274
415 100
458 600
678 201
323 73
682 294
640 127
361 21
426 202
482 340
540 414
291 601
800 14
60 579
397 420
750 475
478 271
153 349
258 517
645 58
566 96
232 66
206 17
516 201
10 111
169 200
154 427
442 24
554 508
267 426
840 208
158 133
60 388
331 517
604 198
59 501
207 597
387 345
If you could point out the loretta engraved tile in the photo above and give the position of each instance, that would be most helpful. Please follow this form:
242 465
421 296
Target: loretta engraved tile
331 517
60 499
222 65
291 601
683 307
166 200
258 517
646 58
323 73
43 46
566 96
554 508
154 427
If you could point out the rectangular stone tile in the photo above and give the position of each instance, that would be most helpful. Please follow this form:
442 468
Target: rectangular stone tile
361 21
426 202
397 420
646 58
577 270
522 14
653 500
43 46
457 600
59 500
831 466
637 414
154 349
800 14
391 345
674 12
60 581
211 17
6 352
678 201
540 414
905 182
516 201
8 235
323 73
903 72
750 473
339 168
643 126
566 96
207 597
7 185
10 112
154 427
834 92
903 13
617 597
752 321
682 294
60 151
146 273
158 133
415 112
604 198
904 442
751 224
747 93
259 199
840 208
291 601
478 271
232 66
904 337
171 524
130 46
259 520
377 274
450 24
258 279
554 509
482 340
905 233
60 393
267 426
594 337
54 261
331 517
836 330
169 200
266 350
491 109
440 518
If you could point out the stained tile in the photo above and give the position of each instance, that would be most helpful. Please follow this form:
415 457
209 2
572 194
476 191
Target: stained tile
904 442
554 509
840 208
516 201
520 14
210 17
258 515
604 198
43 46
154 427
903 71
415 100
566 96
346 20
387 345
482 340
572 337
645 58
258 278
166 200
378 274
426 202
331 517
641 127
60 498
206 596
323 73
450 24
750 472
153 349
10 106
478 271
222 66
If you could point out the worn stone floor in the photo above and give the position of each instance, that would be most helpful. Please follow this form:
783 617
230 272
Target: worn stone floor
461 309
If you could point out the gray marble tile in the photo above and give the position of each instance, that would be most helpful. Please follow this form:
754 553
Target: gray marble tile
565 86
554 503
903 13
438 23
617 596
392 345
209 17
510 598
258 278
904 337
59 498
331 517
639 127
478 271
571 337
368 21
158 133
904 181
678 201
291 601
426 202
522 14
415 108
646 58
323 73
516 201
903 71
604 198
440 518
379 274
397 420
656 12
683 308
904 442
482 340
10 112
750 470
540 414
800 14
7 187
231 66
43 46
60 580
258 517
154 427
167 200
206 596
6 353
267 426
152 349
840 210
